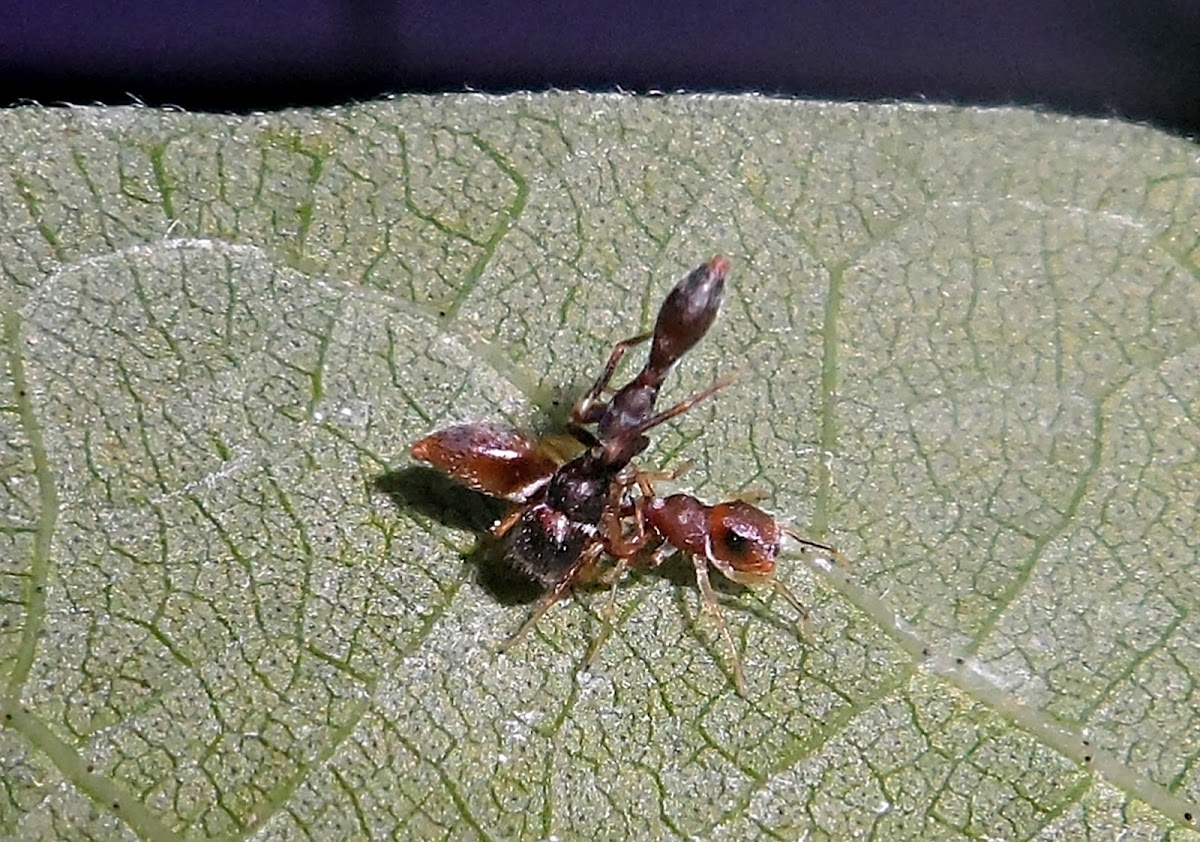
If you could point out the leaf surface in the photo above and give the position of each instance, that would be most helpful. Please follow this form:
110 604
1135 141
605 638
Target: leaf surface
230 607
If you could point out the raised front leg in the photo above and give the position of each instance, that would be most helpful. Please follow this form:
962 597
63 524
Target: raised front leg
685 405
587 410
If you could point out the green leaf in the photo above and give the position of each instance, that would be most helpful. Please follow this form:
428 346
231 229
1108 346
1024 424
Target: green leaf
230 607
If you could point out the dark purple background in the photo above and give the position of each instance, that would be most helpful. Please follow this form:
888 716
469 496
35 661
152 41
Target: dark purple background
1135 59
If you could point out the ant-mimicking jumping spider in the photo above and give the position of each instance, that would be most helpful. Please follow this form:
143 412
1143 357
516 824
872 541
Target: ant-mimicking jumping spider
569 514
738 539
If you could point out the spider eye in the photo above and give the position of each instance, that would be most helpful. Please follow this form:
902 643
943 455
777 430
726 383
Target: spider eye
735 542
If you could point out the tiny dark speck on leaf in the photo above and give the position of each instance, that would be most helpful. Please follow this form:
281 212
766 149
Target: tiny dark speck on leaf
1187 816
116 805
1087 758
959 661
90 768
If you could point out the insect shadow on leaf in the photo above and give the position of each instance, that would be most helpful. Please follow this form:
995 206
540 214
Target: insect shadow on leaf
430 494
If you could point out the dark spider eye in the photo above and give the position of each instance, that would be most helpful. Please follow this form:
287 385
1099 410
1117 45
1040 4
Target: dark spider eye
736 542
